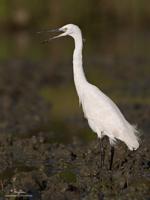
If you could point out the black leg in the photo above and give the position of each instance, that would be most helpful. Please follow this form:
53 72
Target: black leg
101 153
111 157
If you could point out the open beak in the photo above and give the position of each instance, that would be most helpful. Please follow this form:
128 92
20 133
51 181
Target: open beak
52 31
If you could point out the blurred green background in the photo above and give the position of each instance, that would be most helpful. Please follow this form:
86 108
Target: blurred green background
117 21
116 53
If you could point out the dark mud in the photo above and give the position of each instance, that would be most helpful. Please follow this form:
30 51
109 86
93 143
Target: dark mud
31 163
22 110
56 171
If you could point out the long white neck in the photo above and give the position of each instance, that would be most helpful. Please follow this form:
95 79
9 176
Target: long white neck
78 72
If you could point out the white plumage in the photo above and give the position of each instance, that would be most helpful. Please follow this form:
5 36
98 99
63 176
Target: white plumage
103 116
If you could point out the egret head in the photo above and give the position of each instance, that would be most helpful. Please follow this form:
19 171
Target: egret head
69 29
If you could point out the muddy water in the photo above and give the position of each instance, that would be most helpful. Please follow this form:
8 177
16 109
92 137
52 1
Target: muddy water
46 147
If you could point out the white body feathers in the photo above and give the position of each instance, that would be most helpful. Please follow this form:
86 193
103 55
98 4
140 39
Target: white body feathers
103 116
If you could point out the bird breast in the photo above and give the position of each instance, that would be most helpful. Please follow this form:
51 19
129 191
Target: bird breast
102 114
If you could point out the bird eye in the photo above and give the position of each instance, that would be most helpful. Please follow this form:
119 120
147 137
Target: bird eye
65 29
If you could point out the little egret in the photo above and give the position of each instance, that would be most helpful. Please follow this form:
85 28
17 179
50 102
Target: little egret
103 116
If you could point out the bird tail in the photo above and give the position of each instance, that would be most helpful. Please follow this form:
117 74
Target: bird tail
133 138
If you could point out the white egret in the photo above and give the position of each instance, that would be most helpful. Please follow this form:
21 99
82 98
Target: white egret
103 116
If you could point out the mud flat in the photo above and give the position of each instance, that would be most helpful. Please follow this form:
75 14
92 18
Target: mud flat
57 171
